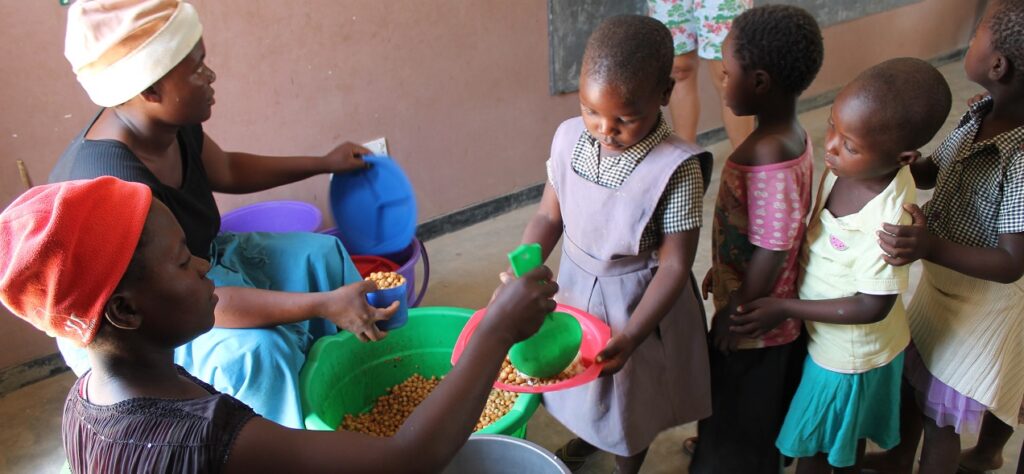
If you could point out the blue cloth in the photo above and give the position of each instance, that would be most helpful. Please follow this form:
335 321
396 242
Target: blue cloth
261 366
832 411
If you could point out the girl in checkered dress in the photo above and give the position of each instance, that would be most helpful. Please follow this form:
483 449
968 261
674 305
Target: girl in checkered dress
626 194
967 358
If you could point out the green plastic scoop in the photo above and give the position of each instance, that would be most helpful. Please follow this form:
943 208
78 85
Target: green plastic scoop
554 346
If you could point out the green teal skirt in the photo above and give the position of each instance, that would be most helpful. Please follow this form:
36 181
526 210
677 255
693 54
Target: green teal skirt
832 411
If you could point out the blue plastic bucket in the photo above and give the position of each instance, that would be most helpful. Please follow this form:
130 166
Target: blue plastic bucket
273 216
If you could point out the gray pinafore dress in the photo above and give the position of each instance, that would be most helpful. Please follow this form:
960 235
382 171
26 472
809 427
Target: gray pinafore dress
665 382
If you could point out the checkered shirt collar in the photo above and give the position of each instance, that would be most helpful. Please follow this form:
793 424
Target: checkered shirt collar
588 148
1008 143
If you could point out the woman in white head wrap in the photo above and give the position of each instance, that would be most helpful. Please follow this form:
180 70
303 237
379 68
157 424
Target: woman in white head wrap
142 61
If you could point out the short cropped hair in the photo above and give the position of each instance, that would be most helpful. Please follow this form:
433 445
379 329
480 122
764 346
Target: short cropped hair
908 100
631 52
782 40
1007 27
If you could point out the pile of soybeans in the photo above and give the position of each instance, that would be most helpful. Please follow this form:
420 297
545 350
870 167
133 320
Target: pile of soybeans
391 409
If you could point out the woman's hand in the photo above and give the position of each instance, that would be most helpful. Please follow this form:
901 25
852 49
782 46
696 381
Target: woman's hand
615 354
757 317
348 309
518 307
346 157
905 244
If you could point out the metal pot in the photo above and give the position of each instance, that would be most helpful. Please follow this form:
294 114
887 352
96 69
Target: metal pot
500 454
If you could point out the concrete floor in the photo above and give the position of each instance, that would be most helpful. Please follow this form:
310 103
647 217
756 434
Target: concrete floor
464 269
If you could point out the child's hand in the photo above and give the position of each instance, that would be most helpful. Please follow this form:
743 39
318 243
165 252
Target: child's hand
615 354
347 308
505 277
705 288
519 306
722 338
757 317
903 244
346 157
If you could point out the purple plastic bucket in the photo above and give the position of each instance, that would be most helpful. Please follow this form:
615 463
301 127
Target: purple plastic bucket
273 216
407 260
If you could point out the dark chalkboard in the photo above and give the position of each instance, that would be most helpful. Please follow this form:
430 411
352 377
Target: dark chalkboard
571 21
830 12
569 25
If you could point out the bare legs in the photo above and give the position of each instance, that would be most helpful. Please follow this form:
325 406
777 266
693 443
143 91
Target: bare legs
684 104
818 464
900 459
988 454
577 450
631 464
941 449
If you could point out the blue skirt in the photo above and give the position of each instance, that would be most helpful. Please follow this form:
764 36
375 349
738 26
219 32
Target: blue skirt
832 411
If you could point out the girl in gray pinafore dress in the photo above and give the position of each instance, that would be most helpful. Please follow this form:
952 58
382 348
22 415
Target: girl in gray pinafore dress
665 382
626 194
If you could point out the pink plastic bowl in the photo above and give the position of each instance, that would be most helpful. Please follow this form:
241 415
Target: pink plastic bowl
595 337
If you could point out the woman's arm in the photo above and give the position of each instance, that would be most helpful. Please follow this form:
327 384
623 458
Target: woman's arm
346 307
240 173
675 260
435 431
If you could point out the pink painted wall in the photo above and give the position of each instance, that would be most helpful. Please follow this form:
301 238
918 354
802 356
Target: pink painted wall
460 89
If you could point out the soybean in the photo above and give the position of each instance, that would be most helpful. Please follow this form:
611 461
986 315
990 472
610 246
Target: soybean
392 409
386 280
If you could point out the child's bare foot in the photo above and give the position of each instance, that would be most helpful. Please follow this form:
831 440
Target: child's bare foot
887 463
974 461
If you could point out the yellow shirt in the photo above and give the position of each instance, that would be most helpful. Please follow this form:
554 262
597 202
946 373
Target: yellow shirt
841 258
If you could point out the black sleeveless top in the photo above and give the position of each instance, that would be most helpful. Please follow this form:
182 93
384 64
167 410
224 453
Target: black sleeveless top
151 434
192 204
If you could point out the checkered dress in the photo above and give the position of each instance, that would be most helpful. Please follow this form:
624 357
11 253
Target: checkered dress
681 205
980 187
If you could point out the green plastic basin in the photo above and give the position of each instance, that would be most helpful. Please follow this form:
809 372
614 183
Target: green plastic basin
344 376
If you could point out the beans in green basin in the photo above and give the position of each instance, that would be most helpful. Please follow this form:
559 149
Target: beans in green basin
391 409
